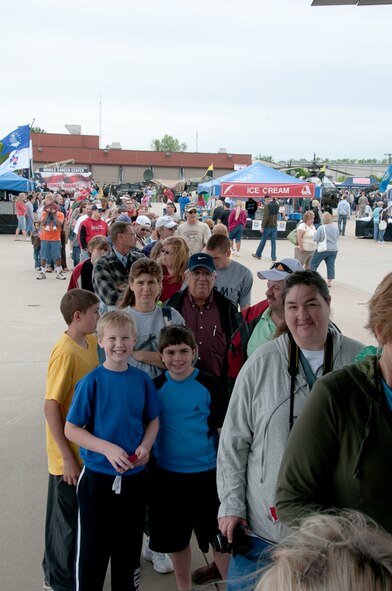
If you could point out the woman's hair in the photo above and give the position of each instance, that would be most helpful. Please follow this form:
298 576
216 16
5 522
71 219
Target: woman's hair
379 307
239 203
176 335
181 258
310 279
116 319
21 197
307 215
209 223
329 553
143 265
218 203
326 218
315 203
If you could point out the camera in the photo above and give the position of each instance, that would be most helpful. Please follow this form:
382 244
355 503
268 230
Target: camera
240 544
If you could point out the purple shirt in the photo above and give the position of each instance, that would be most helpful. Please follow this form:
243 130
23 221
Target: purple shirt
206 325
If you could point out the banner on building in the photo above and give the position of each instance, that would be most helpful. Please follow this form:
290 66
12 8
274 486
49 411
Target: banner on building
69 179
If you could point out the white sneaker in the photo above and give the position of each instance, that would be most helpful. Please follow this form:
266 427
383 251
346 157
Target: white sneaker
237 254
47 587
60 276
41 275
161 562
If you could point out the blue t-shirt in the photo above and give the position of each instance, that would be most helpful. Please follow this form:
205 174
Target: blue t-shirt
191 411
113 405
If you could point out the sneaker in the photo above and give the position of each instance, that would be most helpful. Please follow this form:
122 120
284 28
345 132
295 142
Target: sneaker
41 275
161 562
49 269
206 574
54 227
60 276
47 228
254 255
237 254
47 587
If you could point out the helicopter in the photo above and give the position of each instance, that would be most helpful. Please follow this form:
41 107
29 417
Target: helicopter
315 172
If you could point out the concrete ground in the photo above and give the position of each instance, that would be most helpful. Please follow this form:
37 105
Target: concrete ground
31 323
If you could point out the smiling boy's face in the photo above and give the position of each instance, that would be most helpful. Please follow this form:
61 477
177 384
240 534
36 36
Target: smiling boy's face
178 360
118 343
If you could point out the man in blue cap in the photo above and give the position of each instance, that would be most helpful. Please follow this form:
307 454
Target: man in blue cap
211 316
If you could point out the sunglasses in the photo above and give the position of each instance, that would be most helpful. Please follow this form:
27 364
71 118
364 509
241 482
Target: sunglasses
281 267
167 252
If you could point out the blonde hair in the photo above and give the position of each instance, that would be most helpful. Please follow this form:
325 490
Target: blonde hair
21 197
220 228
181 252
116 319
332 552
308 214
326 218
379 307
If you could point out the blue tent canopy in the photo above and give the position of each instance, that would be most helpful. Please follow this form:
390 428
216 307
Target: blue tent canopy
255 173
9 181
353 182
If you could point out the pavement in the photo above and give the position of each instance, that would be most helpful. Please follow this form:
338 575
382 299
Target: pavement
31 323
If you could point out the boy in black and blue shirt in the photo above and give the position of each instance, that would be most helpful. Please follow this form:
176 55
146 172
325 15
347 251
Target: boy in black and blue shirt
183 491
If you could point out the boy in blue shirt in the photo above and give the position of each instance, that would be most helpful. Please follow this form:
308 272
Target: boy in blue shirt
114 419
183 489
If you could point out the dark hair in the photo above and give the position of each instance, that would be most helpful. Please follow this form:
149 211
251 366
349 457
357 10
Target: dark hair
143 265
309 278
176 335
76 300
218 241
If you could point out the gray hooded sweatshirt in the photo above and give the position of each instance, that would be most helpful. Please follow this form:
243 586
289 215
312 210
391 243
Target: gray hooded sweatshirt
256 429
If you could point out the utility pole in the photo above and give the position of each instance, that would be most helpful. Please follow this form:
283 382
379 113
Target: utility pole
389 158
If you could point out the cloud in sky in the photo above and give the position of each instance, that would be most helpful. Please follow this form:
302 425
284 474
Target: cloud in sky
275 77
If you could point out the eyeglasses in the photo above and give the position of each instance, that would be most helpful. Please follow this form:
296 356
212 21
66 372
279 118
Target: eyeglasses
281 267
201 274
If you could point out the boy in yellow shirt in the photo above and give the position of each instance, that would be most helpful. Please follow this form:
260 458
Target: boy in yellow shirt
74 355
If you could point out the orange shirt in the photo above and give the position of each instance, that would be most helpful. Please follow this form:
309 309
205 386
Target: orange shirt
51 235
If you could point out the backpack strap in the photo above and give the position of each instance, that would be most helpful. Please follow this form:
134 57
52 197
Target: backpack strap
167 315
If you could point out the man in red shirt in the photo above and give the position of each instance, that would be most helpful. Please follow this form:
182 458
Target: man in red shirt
92 226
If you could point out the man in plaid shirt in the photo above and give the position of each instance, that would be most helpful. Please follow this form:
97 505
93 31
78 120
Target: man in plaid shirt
111 271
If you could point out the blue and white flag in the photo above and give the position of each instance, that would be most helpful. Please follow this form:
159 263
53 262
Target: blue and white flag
15 150
385 179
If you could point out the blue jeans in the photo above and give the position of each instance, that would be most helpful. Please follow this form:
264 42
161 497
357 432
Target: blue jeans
244 570
342 221
329 257
37 257
268 234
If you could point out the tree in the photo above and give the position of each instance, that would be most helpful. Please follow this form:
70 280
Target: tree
37 130
265 158
168 144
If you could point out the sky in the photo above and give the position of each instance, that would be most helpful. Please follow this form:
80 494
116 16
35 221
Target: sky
270 77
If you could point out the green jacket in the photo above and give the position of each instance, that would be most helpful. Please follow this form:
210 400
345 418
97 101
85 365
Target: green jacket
339 452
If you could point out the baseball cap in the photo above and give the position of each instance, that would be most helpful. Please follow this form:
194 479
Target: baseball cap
143 221
280 270
165 221
201 259
191 207
96 207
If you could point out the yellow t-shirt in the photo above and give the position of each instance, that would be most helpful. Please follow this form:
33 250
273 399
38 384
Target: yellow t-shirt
68 363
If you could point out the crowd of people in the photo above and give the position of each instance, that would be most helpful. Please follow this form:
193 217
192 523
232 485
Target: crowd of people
198 410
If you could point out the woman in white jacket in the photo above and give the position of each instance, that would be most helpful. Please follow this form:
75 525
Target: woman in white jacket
268 396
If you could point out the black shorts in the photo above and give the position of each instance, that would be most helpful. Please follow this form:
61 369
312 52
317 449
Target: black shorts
179 504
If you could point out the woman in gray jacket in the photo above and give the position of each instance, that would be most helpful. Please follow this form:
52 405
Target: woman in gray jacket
331 233
268 395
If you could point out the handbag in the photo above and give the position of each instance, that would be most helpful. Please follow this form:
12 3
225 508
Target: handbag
382 225
322 244
292 236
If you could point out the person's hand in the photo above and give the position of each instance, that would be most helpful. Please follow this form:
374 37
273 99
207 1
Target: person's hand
227 525
117 457
71 471
143 456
